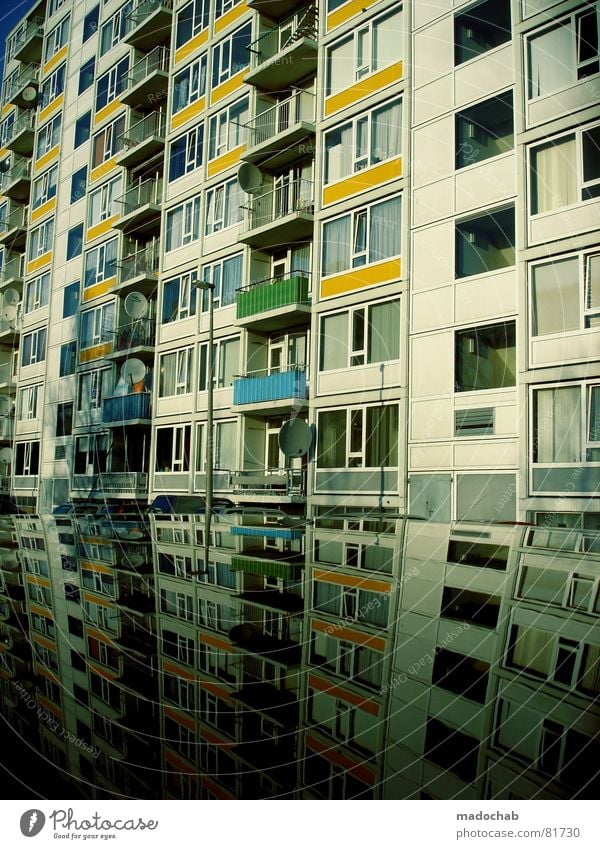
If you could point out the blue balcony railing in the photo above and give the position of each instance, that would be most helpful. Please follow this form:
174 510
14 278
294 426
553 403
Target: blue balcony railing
272 387
123 408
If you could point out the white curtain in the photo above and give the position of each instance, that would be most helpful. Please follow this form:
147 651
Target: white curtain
387 41
554 175
556 297
533 650
175 228
384 332
232 279
336 245
551 61
334 342
340 67
385 229
168 365
386 132
337 162
559 425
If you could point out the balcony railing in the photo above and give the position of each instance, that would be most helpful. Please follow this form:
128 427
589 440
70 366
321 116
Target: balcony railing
272 294
144 8
150 125
150 23
21 169
281 117
12 270
291 482
30 32
22 125
143 194
29 74
142 263
296 196
302 24
262 388
138 334
16 218
7 373
114 482
156 60
123 408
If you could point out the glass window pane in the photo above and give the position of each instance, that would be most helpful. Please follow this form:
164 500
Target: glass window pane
556 298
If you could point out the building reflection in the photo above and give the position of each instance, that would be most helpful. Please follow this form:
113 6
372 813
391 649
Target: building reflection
353 656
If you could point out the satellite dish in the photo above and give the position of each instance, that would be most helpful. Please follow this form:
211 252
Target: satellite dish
29 95
132 560
132 371
136 305
249 177
9 313
5 455
11 298
5 165
295 438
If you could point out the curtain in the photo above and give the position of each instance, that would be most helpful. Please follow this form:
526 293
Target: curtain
225 444
382 437
386 132
554 175
229 362
590 670
331 452
387 41
334 342
175 228
383 339
336 245
337 162
300 260
385 229
556 298
168 364
532 650
327 597
340 67
374 607
558 431
551 61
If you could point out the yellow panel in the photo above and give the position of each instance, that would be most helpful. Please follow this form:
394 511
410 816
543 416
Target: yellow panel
191 111
98 289
228 87
106 112
363 180
56 59
101 229
8 107
95 353
42 210
47 158
347 11
40 262
360 278
364 88
232 15
3 151
225 161
104 169
50 108
191 46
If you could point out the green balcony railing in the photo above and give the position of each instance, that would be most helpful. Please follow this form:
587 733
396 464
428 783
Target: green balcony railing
272 294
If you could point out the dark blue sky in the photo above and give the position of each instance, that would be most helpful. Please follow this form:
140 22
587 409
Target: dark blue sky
10 13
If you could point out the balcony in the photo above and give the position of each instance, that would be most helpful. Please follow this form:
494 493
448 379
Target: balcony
7 427
23 91
127 409
141 208
16 182
150 23
267 393
282 134
273 9
22 135
275 303
8 376
287 53
135 340
280 216
13 228
10 333
137 601
139 678
268 486
249 638
139 270
130 484
28 43
143 140
148 80
12 273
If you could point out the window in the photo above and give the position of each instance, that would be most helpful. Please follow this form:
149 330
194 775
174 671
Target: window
173 448
224 6
225 445
183 224
93 386
224 206
37 292
103 201
105 691
360 336
33 347
565 171
86 75
177 604
226 366
179 298
108 142
185 153
371 138
174 564
53 86
116 28
97 325
226 128
484 130
44 187
231 55
110 85
40 240
28 402
27 458
191 19
566 295
485 357
370 48
56 38
348 660
189 85
90 23
48 136
91 458
6 128
483 27
64 418
100 263
567 424
485 243
175 373
561 55
226 277
362 437
68 354
78 184
179 691
74 241
351 603
178 646
82 129
364 236
54 6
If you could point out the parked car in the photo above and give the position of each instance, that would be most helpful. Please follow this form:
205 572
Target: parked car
187 504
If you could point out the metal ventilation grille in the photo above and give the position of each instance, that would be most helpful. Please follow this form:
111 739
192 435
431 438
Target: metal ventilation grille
474 422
